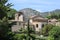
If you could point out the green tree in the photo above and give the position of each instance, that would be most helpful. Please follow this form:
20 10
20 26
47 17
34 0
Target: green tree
54 33
29 32
4 8
46 29
26 34
5 26
5 29
54 15
11 14
19 36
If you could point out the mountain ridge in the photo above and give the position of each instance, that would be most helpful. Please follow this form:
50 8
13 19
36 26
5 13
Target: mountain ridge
31 12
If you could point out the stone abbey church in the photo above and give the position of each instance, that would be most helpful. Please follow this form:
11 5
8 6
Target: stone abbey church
36 22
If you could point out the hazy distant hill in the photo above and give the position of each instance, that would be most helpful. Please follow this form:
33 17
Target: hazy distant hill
30 12
57 11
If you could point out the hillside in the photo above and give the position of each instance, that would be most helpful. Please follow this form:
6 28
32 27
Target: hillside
56 11
30 12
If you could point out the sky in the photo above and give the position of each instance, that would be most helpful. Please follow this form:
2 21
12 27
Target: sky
39 5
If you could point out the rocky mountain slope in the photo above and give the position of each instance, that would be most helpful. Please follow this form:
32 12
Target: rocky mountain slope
30 12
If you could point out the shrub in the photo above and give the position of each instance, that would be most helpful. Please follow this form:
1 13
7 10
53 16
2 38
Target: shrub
55 33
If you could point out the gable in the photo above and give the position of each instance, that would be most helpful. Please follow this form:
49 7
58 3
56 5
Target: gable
39 19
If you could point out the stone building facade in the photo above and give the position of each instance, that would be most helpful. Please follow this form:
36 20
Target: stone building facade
36 22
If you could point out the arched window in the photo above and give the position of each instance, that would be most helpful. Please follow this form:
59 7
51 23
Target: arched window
37 25
49 21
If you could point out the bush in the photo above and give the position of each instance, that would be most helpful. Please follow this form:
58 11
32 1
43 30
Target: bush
55 33
47 28
19 36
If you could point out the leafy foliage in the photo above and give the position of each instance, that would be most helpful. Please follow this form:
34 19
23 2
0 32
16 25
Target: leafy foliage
19 36
11 14
4 8
56 16
5 30
47 28
25 34
5 26
55 33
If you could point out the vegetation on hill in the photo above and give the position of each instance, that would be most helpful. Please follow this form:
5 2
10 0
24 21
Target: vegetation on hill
56 16
57 12
30 12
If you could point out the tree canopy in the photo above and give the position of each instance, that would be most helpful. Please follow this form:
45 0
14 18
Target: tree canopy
47 28
54 33
5 26
54 15
5 10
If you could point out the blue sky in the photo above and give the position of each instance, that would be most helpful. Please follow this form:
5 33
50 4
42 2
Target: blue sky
39 5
